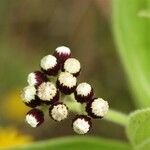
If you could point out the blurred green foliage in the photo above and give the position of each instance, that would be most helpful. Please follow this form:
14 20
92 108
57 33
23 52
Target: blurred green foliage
32 29
138 129
73 143
132 32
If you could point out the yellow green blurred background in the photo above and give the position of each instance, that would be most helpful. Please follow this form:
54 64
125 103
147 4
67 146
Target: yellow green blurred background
32 29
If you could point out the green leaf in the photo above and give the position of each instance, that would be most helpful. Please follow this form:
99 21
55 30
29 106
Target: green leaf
138 129
131 26
76 143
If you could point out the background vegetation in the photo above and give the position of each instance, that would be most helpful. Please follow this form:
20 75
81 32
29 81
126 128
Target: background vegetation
111 40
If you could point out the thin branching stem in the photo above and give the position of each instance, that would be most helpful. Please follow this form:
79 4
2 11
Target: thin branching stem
112 116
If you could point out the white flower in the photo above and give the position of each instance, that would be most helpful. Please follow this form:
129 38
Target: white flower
48 62
67 79
32 79
63 50
34 118
36 78
81 125
46 91
59 112
31 120
83 92
97 108
83 89
62 53
72 66
28 94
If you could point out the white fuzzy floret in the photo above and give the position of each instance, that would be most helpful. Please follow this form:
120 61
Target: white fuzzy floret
48 62
28 93
81 126
59 112
63 50
30 119
83 89
99 107
67 79
32 79
46 91
72 65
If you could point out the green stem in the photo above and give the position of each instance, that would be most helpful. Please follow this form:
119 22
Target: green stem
113 116
74 107
117 117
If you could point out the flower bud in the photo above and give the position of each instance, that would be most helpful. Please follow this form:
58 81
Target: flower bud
66 83
50 65
62 53
35 117
83 92
48 93
81 124
72 66
97 108
29 97
36 78
58 111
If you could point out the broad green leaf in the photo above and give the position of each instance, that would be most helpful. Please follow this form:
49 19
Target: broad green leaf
131 26
76 143
138 129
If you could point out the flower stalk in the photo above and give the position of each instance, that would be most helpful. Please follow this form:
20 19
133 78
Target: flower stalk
117 117
112 116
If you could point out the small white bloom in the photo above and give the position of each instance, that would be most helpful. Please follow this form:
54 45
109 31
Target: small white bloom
81 126
46 91
72 66
48 62
62 53
99 107
59 112
30 119
34 118
63 50
67 79
36 78
28 94
32 79
83 89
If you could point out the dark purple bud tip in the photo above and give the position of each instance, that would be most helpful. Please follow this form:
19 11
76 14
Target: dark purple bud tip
72 66
81 124
36 78
83 93
35 117
62 53
66 83
29 96
48 93
50 65
97 108
58 112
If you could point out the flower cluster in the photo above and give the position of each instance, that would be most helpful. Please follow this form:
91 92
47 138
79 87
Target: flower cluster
43 91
